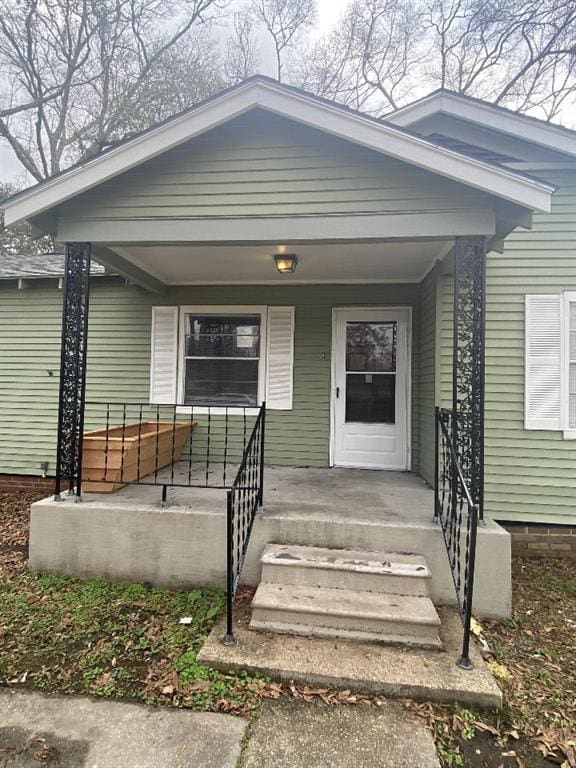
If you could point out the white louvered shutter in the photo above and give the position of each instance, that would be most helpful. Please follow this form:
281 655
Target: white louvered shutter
543 361
572 365
280 358
164 355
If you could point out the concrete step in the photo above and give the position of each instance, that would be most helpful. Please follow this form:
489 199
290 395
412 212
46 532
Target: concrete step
346 614
385 572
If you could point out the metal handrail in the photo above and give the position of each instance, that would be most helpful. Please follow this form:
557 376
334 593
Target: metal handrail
454 458
242 502
450 517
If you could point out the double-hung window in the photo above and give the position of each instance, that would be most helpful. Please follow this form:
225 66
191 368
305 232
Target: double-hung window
222 359
551 362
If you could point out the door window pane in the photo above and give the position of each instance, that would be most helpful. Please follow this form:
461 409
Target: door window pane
371 398
371 346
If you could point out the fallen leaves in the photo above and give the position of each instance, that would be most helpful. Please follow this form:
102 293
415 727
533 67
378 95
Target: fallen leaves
307 693
36 746
557 745
15 515
41 749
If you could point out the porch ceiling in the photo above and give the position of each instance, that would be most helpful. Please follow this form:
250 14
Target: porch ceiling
317 263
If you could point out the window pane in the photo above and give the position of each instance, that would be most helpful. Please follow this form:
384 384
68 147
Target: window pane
218 336
370 346
221 382
371 398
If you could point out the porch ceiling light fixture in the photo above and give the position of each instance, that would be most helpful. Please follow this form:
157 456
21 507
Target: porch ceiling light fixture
286 262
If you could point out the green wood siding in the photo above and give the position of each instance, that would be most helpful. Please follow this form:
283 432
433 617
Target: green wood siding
119 357
264 165
427 376
30 322
530 474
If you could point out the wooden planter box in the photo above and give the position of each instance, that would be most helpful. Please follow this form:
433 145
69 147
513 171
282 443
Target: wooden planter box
120 455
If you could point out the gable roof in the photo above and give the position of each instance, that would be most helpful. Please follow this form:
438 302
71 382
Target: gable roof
548 135
293 104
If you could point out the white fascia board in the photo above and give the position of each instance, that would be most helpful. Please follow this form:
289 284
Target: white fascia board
541 133
302 108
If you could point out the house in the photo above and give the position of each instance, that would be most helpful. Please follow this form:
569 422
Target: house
401 294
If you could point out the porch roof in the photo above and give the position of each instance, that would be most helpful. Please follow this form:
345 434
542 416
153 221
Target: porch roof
296 105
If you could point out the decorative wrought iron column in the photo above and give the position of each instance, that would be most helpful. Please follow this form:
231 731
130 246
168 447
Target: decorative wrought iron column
73 369
468 362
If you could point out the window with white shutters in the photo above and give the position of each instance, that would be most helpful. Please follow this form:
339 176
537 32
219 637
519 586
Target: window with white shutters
225 357
551 362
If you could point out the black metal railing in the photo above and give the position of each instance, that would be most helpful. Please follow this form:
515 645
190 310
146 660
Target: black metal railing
166 445
243 500
457 513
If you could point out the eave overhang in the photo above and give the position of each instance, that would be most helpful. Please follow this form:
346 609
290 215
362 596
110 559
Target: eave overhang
547 135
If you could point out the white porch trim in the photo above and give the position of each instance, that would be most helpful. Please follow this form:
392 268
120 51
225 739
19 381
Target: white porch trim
281 229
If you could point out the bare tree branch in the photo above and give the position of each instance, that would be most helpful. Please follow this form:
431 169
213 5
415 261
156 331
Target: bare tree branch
79 72
242 52
284 20
517 53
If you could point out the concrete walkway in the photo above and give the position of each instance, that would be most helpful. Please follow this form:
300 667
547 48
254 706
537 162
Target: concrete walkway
291 734
70 732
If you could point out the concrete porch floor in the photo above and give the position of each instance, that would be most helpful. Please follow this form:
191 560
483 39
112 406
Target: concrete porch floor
335 494
127 535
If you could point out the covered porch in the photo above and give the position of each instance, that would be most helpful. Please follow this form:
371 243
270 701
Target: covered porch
314 402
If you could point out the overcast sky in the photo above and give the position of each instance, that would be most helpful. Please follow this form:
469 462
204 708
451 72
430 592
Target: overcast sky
328 13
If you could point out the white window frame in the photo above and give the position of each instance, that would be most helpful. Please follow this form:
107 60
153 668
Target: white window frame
569 432
222 310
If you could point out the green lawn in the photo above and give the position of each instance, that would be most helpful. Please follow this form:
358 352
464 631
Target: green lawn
120 640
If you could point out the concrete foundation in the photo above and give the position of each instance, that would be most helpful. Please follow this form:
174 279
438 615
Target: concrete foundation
127 536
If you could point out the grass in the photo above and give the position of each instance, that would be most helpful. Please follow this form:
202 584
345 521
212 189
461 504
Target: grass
119 640
108 639
533 655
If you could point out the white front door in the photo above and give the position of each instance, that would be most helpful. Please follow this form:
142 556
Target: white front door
370 388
